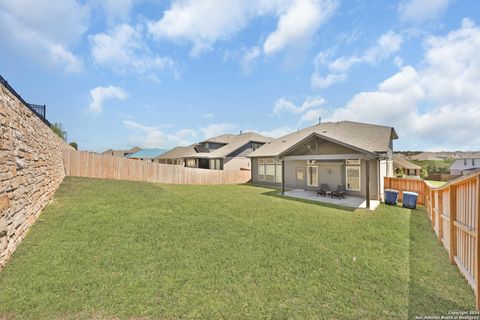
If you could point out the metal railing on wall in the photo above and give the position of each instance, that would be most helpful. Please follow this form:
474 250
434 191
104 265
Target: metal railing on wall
39 110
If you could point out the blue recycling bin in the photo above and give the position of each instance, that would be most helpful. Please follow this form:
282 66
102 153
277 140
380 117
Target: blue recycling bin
391 196
409 199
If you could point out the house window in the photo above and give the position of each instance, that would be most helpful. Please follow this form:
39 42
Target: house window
215 164
300 174
261 170
255 146
464 162
473 162
191 163
353 178
278 171
207 146
312 176
269 170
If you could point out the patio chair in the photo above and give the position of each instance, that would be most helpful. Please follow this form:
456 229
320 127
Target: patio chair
323 190
339 193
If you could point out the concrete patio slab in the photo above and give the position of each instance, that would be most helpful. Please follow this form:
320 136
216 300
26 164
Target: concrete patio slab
353 202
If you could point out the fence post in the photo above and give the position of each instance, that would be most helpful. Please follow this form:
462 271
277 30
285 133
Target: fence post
440 218
432 206
477 242
453 217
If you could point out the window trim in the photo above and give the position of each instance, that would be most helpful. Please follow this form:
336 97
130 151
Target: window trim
309 176
359 178
277 170
261 163
270 162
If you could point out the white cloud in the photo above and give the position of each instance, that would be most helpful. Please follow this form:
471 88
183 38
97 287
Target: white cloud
274 133
200 22
124 50
98 96
323 82
44 30
217 129
248 58
419 11
435 104
208 115
203 23
298 23
285 105
117 9
153 137
312 116
336 69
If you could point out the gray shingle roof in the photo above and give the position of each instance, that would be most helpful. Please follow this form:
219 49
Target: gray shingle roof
401 162
235 142
368 137
177 153
224 138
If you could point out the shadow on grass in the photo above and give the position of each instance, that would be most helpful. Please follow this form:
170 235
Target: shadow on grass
276 193
435 286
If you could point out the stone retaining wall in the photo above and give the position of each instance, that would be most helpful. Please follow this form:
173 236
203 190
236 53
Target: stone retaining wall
31 169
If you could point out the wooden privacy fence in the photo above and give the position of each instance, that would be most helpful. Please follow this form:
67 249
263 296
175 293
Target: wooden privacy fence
406 184
92 165
454 211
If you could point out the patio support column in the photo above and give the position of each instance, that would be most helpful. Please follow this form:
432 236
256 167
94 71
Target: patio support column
283 177
367 182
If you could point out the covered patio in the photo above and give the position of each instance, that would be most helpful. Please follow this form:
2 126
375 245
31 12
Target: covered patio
348 201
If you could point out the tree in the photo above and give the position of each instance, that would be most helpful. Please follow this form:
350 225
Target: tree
58 129
399 173
74 145
423 173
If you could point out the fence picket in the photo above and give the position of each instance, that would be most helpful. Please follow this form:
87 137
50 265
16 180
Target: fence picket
91 165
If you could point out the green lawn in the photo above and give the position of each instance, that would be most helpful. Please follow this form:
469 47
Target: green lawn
435 184
116 249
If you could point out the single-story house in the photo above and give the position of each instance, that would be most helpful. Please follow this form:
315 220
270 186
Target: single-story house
464 166
146 154
175 156
225 152
401 165
121 153
355 156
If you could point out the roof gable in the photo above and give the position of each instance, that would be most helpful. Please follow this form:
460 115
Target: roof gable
361 136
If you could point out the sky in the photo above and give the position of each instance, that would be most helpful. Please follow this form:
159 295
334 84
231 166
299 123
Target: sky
121 73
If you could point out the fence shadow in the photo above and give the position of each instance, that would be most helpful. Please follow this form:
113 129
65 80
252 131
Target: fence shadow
433 281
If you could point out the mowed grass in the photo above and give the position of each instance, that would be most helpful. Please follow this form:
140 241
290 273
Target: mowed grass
435 184
117 249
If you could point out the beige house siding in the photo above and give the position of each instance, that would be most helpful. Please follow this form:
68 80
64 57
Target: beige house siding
236 163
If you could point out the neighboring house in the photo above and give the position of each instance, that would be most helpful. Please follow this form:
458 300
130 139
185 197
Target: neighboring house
225 152
409 169
121 153
464 166
175 156
146 154
354 155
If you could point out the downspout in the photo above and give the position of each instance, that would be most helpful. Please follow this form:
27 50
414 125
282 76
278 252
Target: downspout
283 177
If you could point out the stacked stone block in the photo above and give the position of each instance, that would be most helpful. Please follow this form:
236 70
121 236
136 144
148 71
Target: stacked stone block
31 169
